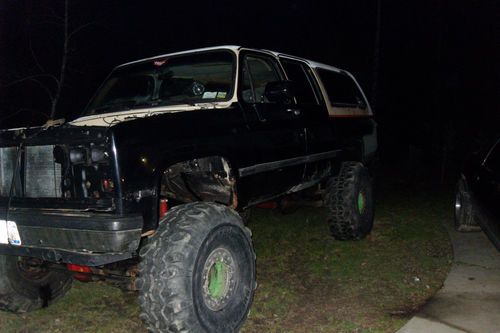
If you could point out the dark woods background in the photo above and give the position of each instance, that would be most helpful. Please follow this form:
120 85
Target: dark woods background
430 68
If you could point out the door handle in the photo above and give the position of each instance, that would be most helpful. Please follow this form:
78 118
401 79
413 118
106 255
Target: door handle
295 111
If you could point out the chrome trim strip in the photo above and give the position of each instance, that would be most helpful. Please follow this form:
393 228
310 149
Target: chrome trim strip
263 167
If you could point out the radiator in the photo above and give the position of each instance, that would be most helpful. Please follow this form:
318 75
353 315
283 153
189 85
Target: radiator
7 164
41 176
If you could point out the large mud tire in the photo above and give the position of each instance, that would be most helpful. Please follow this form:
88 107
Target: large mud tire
349 199
197 273
464 210
26 287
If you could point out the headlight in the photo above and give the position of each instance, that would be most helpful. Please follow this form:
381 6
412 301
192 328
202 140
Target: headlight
98 154
77 155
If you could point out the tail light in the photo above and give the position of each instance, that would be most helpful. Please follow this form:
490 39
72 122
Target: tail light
82 273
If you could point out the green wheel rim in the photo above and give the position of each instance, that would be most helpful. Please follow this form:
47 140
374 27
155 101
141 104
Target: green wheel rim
217 279
361 202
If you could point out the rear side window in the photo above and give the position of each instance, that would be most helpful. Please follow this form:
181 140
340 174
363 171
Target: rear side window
341 89
296 72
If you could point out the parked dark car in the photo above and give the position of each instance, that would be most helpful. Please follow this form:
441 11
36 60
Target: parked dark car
148 185
477 202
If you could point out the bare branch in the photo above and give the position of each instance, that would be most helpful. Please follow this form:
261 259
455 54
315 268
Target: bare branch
21 110
80 28
50 17
35 59
31 77
44 87
52 12
34 79
64 60
46 22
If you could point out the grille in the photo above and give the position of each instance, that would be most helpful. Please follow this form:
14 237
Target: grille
41 176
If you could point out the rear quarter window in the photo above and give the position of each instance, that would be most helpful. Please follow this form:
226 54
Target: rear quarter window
342 91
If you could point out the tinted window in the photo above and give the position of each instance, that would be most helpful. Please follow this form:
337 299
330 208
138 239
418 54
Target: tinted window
257 73
303 91
341 89
182 79
136 87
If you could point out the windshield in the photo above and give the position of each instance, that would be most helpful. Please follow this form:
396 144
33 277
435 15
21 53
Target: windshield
184 79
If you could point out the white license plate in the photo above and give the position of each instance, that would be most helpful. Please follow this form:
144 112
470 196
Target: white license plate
9 233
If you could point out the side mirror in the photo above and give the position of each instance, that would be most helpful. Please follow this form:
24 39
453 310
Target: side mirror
280 92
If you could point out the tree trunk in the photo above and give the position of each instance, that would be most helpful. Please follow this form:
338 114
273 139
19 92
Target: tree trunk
64 60
376 56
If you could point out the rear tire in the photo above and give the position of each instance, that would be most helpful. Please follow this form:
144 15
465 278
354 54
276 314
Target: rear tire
464 211
27 285
197 273
350 202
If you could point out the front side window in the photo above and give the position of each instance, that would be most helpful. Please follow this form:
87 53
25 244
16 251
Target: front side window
341 89
258 71
183 79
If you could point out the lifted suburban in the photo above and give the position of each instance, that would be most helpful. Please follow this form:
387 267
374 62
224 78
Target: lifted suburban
148 187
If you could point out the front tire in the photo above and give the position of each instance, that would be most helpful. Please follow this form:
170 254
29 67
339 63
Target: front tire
197 273
26 284
350 202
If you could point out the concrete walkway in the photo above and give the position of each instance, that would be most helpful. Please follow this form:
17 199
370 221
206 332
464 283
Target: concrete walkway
470 299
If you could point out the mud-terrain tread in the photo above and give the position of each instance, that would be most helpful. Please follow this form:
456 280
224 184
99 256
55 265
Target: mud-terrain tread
13 301
166 306
339 199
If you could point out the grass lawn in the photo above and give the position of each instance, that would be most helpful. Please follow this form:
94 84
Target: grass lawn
308 282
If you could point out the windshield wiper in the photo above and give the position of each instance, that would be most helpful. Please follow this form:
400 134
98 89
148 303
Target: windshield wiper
126 105
179 102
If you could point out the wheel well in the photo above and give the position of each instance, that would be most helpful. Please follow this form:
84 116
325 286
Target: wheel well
200 179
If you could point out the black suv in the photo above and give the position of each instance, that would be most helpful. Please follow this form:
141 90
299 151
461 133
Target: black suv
150 183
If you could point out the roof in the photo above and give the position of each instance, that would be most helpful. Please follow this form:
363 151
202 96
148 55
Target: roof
236 48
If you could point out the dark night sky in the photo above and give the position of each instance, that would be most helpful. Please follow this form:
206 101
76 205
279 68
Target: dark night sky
438 75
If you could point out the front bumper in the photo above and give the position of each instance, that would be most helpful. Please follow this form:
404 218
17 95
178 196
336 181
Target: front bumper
86 238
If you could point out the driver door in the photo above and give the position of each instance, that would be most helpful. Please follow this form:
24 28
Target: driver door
276 129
